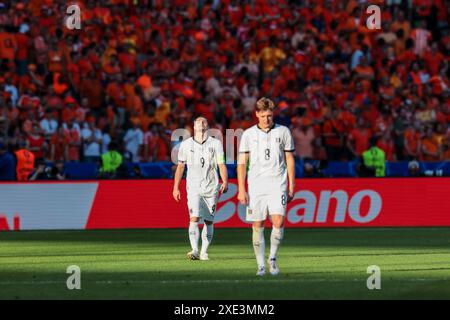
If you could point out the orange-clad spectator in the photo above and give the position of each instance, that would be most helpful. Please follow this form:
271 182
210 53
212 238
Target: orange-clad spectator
150 143
111 66
92 89
73 139
59 146
23 44
433 59
271 56
36 142
55 60
430 147
127 61
115 91
366 73
155 145
162 112
358 139
73 71
8 45
403 24
413 142
348 119
386 144
386 90
332 132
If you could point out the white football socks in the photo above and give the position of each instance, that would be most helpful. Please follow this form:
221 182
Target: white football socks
259 245
207 236
275 240
194 235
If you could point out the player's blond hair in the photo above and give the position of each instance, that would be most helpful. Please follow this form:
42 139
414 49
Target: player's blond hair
264 104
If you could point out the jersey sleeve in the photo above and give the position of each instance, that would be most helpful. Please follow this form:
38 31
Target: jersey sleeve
244 146
219 152
288 141
182 157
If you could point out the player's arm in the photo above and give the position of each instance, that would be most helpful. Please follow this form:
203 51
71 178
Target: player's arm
224 176
176 184
179 173
242 174
222 167
290 163
289 149
243 158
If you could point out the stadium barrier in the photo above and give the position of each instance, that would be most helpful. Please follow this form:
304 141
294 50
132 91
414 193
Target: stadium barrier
388 202
163 170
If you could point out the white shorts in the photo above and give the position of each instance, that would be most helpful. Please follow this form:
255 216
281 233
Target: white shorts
261 205
202 207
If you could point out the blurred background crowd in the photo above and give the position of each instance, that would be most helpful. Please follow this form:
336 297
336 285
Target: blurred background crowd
137 70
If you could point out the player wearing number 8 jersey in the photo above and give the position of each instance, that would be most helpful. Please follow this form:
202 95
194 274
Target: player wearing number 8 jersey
203 156
266 150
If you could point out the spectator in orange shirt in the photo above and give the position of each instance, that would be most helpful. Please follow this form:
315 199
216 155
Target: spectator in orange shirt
332 133
36 142
413 137
271 55
8 46
73 139
92 89
358 139
430 148
59 146
386 144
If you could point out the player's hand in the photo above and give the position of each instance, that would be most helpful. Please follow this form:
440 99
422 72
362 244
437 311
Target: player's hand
176 195
224 187
290 195
243 198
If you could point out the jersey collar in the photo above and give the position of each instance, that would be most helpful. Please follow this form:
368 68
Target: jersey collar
273 126
200 143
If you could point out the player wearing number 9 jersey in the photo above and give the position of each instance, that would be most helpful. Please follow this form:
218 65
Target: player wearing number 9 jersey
203 155
266 150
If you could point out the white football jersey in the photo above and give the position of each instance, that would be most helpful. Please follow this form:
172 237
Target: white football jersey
202 161
267 164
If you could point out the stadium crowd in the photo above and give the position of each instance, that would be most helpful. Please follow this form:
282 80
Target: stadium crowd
137 70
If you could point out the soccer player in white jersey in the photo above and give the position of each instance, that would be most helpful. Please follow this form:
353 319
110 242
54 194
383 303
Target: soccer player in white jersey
203 156
267 151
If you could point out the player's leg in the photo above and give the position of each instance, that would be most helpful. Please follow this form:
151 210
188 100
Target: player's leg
207 236
194 235
194 232
207 211
259 246
276 237
277 210
257 214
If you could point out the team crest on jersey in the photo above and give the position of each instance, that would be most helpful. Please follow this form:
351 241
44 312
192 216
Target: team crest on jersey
211 150
278 140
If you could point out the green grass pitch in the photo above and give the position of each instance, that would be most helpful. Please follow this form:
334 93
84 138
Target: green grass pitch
152 264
